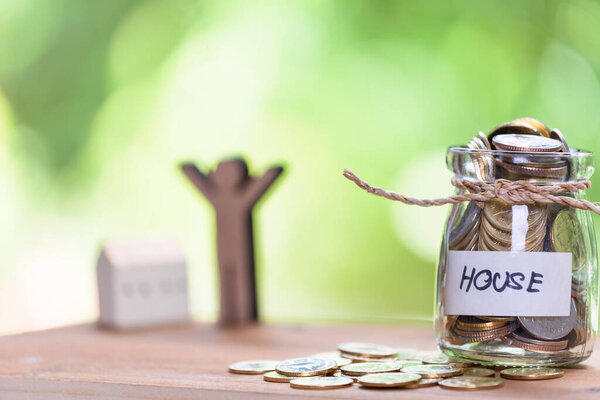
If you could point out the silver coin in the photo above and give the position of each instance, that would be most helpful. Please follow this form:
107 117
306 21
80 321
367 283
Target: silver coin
516 142
307 366
483 162
550 328
466 224
484 140
557 135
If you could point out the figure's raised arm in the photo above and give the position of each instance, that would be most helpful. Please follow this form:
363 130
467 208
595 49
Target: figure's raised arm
201 181
258 186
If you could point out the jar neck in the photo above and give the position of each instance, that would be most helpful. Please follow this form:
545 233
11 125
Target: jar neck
537 168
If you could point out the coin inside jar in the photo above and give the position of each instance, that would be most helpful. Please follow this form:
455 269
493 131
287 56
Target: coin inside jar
525 126
500 214
521 339
466 226
525 143
557 135
566 236
550 328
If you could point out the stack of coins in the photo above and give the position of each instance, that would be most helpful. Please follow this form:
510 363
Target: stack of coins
391 371
484 163
538 168
468 329
524 149
464 235
497 221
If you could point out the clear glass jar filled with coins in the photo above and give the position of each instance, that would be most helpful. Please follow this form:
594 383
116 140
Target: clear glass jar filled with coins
517 274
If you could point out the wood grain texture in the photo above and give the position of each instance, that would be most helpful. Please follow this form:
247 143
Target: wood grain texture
190 362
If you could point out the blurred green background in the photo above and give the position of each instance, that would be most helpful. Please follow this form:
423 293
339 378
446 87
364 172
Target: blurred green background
100 100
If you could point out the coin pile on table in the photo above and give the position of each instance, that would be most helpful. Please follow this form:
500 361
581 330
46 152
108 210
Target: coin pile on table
526 150
384 368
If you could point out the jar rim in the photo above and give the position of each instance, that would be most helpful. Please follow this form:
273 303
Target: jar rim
579 154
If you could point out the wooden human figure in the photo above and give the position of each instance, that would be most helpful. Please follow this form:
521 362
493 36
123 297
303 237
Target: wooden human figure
233 194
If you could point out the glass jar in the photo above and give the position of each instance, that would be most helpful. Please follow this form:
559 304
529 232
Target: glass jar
518 284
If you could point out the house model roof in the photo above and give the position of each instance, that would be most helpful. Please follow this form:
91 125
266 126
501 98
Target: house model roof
143 253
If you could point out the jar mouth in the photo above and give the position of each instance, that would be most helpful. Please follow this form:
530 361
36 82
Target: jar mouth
535 167
578 154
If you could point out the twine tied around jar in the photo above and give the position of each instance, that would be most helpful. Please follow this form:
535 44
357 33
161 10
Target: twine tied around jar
511 192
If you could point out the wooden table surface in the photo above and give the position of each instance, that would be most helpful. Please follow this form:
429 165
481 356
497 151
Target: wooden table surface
190 362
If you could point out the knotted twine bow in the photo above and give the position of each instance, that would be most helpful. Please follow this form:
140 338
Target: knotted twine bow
511 192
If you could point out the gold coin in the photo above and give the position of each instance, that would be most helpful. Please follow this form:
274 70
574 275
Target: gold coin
444 359
363 359
253 367
433 370
533 243
339 374
307 366
496 319
501 216
566 236
541 128
367 350
321 382
471 383
531 374
478 326
360 359
333 355
341 361
477 371
370 368
389 380
406 363
436 359
535 234
526 126
488 334
407 354
423 383
274 376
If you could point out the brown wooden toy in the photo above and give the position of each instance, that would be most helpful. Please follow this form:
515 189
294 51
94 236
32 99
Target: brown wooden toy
233 194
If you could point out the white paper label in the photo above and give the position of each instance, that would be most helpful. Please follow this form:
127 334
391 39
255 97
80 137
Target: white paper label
504 283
